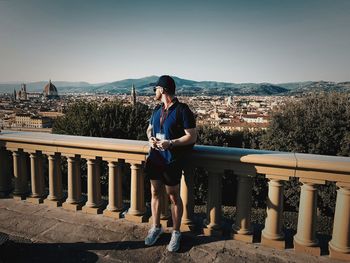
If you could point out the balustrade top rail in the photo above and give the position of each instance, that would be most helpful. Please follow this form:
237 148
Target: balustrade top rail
246 161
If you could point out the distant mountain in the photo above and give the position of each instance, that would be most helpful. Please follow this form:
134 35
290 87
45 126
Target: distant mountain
144 86
321 86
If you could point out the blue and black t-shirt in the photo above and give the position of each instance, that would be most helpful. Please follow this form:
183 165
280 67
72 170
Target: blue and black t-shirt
177 118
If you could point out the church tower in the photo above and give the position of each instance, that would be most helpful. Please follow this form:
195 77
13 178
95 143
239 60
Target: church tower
133 95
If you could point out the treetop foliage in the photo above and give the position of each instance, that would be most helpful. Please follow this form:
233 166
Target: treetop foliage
317 124
110 120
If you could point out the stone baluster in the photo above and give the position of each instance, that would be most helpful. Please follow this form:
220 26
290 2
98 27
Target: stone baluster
242 228
37 178
213 221
136 212
187 196
20 173
5 173
55 196
339 246
94 204
115 194
74 199
272 235
305 239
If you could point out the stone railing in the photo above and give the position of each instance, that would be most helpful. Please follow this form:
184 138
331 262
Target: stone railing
311 170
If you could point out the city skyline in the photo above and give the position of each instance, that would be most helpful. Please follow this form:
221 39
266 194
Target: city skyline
230 41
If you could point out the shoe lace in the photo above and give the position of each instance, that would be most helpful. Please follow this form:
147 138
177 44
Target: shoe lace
174 238
152 231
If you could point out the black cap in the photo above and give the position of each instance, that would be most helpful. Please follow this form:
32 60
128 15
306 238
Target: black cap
167 83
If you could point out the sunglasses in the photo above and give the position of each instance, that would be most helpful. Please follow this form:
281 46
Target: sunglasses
155 89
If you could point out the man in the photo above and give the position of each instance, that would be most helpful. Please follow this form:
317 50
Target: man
172 134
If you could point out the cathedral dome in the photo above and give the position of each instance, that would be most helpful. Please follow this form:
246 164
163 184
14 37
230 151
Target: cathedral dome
50 90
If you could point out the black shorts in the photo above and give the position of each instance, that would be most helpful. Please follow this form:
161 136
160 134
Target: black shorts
170 174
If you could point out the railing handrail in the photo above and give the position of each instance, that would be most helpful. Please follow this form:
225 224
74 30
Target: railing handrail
310 169
289 160
88 142
331 168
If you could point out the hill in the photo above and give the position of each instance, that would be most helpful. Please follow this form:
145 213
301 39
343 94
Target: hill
185 87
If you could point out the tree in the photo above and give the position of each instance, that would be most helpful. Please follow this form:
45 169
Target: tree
110 120
316 124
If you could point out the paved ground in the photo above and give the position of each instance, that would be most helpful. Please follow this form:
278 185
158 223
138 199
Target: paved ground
38 233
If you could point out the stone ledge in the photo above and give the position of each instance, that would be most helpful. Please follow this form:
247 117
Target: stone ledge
53 203
244 238
337 255
208 231
92 210
164 222
35 200
72 207
316 251
136 219
279 244
113 214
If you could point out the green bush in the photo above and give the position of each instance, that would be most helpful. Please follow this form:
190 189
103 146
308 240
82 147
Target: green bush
109 120
316 124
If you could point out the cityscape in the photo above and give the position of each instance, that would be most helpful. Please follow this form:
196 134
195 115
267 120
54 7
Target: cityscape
259 173
35 111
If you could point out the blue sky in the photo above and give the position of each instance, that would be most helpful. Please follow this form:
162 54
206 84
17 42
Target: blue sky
235 41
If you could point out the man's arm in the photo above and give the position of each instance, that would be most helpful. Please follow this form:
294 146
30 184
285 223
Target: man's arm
151 140
149 131
190 137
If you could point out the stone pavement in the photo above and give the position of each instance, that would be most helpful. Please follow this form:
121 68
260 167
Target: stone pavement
39 233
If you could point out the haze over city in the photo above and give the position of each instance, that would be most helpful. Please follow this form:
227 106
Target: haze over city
233 41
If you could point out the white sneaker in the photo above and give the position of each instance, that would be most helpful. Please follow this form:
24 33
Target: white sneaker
174 243
153 235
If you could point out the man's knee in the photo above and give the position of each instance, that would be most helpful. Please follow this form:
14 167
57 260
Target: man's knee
175 199
156 193
157 189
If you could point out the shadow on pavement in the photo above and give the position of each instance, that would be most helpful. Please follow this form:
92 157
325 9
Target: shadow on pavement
14 251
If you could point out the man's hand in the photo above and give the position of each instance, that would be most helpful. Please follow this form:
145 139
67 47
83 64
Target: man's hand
152 142
163 144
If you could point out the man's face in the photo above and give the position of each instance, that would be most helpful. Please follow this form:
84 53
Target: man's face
159 91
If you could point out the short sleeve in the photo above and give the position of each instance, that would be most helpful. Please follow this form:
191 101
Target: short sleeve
189 121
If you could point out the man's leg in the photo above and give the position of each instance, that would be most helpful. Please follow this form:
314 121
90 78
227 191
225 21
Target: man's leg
177 207
157 187
154 233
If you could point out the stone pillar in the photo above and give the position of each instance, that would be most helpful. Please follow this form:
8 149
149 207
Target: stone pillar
20 173
213 221
136 212
37 178
339 246
272 235
74 200
242 228
5 173
186 192
305 239
94 203
115 197
55 196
